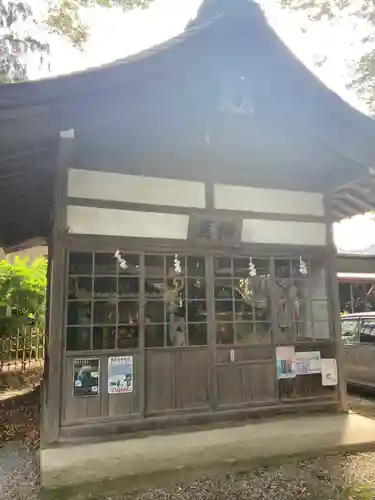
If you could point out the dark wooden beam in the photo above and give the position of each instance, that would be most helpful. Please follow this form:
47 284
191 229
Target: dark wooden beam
55 345
334 305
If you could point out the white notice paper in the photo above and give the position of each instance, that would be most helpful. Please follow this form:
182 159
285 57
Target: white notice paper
308 363
329 372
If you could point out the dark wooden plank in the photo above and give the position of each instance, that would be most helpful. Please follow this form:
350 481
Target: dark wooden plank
159 380
57 292
239 384
192 378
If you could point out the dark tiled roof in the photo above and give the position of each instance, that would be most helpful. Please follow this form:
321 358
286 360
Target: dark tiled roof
156 109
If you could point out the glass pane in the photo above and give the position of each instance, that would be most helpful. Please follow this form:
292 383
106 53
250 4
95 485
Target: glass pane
244 311
262 267
78 339
253 333
104 337
79 313
223 266
196 266
128 313
196 289
176 331
224 311
105 263
105 287
132 263
80 288
245 333
155 312
282 268
367 332
223 289
128 287
322 330
319 310
262 333
80 263
305 330
241 267
154 265
155 288
105 313
197 311
155 336
224 333
197 334
349 331
287 303
128 337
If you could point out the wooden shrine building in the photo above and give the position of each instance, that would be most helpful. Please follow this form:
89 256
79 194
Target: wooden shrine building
187 194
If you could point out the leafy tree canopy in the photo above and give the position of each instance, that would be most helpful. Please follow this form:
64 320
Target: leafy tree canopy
362 12
23 287
61 17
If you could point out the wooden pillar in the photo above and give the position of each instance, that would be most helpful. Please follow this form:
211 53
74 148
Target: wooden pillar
334 305
57 260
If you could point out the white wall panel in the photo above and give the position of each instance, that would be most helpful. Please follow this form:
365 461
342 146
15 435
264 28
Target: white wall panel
276 201
283 232
113 222
94 185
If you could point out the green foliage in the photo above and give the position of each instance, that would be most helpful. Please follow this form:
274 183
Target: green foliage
62 17
23 289
362 11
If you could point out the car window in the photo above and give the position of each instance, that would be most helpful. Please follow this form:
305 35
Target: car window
367 331
349 330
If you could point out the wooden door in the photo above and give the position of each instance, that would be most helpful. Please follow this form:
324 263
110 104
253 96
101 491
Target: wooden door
244 367
177 352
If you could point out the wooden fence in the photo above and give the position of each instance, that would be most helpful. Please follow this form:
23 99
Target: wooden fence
22 351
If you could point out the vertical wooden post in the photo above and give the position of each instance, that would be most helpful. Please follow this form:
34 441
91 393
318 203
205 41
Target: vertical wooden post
57 261
334 305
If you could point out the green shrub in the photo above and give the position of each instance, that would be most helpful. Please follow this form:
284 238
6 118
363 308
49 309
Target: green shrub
23 290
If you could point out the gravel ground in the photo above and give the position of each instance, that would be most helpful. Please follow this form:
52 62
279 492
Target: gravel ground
19 442
350 477
329 478
19 472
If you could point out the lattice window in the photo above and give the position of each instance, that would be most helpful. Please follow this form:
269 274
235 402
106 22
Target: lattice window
242 303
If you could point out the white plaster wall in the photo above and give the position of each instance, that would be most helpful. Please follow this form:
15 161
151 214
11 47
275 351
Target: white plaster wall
114 222
283 232
135 189
275 201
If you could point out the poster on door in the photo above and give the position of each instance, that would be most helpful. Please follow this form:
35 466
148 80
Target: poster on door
120 375
86 376
285 360
308 363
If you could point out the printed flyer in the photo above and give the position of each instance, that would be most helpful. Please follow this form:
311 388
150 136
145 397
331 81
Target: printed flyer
86 373
120 375
285 357
308 363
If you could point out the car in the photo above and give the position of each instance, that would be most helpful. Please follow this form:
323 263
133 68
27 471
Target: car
358 333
